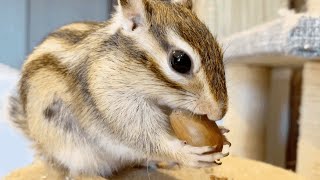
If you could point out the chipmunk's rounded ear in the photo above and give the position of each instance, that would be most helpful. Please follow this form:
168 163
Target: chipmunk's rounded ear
132 13
185 3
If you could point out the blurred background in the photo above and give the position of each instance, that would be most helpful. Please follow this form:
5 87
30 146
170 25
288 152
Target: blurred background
264 99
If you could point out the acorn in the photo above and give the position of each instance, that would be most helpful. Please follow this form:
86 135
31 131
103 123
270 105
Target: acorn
197 130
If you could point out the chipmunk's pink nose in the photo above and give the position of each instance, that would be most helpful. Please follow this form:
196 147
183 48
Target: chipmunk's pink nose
214 112
216 116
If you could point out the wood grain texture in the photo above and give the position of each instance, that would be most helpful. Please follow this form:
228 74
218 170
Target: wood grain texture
308 159
248 88
196 130
225 17
277 121
233 168
313 6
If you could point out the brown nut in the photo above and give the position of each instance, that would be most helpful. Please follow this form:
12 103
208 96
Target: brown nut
196 130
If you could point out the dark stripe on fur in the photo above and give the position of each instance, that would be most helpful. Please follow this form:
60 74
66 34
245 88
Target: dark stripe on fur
70 36
128 46
77 82
77 79
47 61
73 36
61 115
124 3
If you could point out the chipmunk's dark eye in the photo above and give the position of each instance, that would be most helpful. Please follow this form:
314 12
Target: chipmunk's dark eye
180 61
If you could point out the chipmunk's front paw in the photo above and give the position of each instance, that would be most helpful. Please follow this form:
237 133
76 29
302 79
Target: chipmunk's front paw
199 157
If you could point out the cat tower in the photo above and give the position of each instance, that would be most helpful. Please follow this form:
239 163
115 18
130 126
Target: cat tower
259 71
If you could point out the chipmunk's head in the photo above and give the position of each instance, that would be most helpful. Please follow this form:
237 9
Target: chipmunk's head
182 61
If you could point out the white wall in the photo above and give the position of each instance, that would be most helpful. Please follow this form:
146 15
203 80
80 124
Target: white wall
24 23
13 18
47 15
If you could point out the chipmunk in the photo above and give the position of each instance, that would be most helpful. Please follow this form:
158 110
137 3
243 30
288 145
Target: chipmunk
96 97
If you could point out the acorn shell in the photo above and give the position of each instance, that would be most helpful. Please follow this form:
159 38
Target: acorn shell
196 130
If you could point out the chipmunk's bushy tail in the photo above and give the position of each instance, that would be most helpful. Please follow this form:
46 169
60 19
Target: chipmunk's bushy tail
16 114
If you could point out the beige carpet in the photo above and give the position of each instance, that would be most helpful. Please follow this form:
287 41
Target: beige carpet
233 168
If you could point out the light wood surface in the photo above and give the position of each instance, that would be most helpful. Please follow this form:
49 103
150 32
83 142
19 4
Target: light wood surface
313 6
233 168
277 122
308 158
248 88
225 17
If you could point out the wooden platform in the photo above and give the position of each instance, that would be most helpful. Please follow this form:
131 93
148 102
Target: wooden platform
232 168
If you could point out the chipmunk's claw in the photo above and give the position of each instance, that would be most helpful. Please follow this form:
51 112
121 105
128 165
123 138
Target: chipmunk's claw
226 142
218 162
223 130
226 154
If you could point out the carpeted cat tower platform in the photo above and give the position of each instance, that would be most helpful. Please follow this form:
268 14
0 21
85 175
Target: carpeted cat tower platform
253 57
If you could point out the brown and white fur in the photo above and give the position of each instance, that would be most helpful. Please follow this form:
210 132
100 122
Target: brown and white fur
95 97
